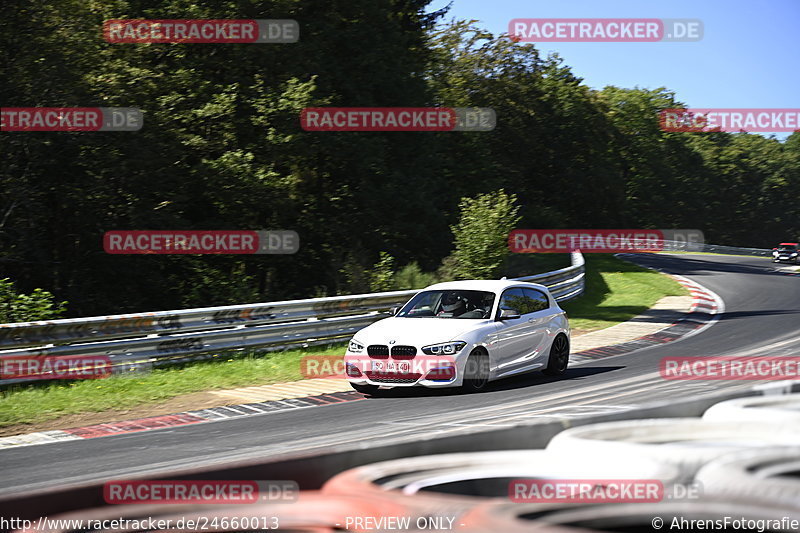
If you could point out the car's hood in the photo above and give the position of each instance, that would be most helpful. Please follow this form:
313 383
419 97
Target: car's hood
417 331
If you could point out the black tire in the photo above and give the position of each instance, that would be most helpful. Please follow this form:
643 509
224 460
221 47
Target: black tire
476 371
559 357
372 390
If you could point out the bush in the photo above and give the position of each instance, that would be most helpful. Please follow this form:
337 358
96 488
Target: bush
412 277
380 279
17 307
481 235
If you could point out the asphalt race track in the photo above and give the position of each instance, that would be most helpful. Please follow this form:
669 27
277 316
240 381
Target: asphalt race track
762 317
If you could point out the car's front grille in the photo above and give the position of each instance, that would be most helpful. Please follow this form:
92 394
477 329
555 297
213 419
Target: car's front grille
381 351
393 378
403 352
378 350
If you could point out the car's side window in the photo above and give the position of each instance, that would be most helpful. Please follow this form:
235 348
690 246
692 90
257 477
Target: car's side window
539 297
511 299
522 302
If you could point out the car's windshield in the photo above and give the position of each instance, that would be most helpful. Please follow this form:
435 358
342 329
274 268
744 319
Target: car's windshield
449 304
787 248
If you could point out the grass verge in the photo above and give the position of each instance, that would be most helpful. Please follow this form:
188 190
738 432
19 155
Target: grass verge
42 401
615 292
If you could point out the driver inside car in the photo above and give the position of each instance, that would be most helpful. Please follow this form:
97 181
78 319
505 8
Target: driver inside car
452 305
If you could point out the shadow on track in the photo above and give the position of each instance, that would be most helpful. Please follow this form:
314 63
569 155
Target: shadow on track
765 312
528 379
689 265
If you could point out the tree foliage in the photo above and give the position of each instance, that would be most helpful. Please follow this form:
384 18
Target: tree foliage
222 148
481 234
18 307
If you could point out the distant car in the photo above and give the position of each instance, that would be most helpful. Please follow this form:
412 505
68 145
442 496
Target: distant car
462 334
786 251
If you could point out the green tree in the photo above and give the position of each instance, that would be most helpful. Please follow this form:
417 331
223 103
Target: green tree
221 148
411 276
481 235
380 278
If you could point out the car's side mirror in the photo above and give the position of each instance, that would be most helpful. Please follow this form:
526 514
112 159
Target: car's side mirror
509 314
394 310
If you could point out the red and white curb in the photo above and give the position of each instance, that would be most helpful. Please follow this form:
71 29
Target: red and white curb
42 437
179 419
789 271
704 301
705 311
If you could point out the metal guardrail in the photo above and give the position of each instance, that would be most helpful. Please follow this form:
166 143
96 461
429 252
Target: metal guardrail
682 246
140 341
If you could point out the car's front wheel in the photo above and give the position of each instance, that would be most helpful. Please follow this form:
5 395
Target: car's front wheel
476 371
559 356
365 389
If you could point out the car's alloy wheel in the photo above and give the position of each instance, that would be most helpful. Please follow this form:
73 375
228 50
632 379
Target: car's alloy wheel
365 389
559 357
476 371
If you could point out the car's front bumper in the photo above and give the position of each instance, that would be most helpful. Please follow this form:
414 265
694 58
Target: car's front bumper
419 383
417 377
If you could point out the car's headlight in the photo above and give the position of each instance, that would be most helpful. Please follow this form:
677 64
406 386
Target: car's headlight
794 254
445 348
355 346
775 253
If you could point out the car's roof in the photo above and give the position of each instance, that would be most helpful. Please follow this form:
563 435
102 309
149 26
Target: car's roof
492 285
788 244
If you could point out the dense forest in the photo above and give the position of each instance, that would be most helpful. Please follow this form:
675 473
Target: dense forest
222 148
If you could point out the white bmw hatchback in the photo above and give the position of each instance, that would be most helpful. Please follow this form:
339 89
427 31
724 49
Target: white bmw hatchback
462 334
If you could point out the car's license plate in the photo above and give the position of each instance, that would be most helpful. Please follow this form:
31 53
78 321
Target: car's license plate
399 367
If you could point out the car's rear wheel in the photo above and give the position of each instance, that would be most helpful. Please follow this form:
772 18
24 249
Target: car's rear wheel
365 389
476 371
559 356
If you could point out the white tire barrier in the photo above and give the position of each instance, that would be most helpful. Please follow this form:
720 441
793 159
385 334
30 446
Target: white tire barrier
457 482
686 443
311 513
768 477
779 409
664 516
